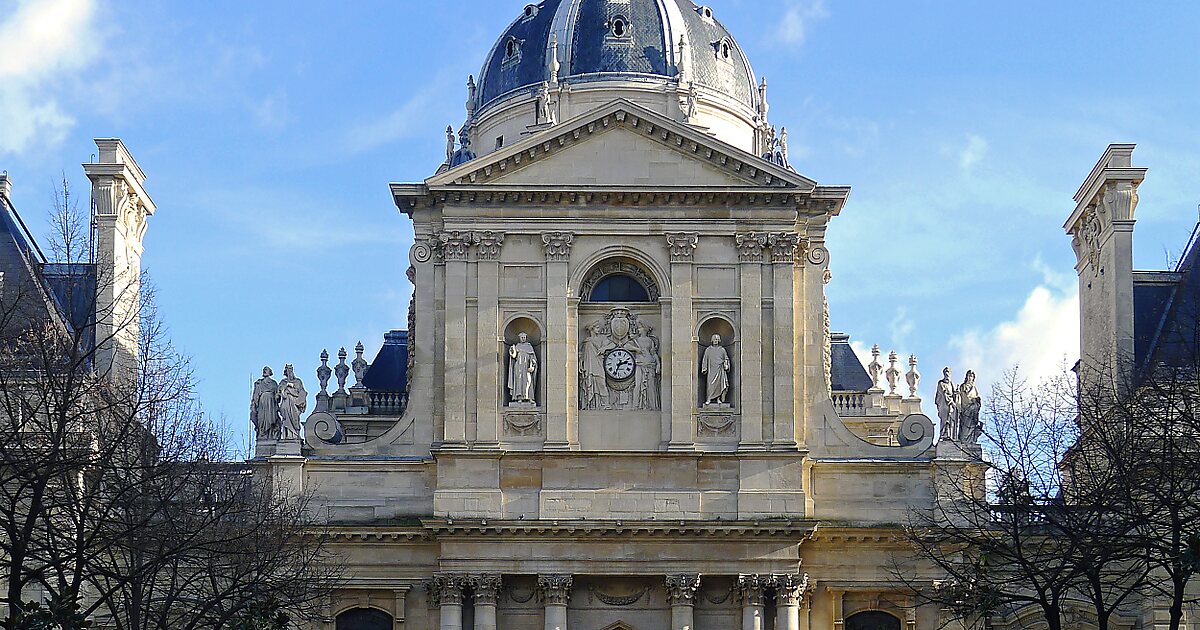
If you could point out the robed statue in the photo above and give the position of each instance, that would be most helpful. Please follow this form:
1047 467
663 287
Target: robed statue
522 371
264 407
647 369
715 367
593 386
969 405
946 401
293 400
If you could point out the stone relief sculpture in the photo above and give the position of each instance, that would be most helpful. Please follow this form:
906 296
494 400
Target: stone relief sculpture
715 367
648 367
293 400
946 401
264 407
619 364
522 373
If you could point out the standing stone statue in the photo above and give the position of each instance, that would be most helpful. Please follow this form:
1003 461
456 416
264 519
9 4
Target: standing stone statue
593 386
449 144
969 404
715 366
522 372
546 105
946 400
647 368
293 400
264 407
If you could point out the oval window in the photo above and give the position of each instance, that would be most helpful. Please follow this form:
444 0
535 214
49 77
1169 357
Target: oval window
620 26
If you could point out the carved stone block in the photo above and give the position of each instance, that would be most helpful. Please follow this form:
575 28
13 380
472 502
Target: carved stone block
522 422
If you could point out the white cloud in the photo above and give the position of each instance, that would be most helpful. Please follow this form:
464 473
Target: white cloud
42 43
973 153
411 118
1041 339
798 21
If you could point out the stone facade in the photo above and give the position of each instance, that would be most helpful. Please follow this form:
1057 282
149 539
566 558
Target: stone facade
603 252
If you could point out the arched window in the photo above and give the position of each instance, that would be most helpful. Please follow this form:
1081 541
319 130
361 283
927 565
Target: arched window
872 620
619 288
364 619
620 26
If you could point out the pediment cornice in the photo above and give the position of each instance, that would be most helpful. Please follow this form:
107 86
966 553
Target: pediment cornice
621 113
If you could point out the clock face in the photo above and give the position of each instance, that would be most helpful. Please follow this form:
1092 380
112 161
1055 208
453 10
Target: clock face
619 364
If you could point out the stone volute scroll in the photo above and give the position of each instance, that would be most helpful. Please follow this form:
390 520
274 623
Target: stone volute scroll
715 367
522 373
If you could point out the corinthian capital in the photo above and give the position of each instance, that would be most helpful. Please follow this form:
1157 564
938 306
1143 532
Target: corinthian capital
449 588
488 244
555 589
750 246
558 245
486 587
681 588
789 588
785 246
750 589
455 244
682 245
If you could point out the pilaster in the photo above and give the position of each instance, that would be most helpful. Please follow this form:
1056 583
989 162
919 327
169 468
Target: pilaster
751 248
783 255
489 352
559 369
682 247
456 246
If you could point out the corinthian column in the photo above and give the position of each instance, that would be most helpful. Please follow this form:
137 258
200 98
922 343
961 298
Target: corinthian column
487 588
450 593
681 595
750 592
789 591
555 592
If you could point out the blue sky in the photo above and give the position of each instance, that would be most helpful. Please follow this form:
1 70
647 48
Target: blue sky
270 130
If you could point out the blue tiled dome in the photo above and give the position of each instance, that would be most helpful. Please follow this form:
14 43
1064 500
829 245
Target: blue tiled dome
616 39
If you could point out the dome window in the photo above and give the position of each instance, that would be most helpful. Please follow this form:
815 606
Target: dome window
724 49
619 27
706 13
512 51
531 11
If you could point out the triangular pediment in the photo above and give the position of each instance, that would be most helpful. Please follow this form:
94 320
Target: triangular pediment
622 145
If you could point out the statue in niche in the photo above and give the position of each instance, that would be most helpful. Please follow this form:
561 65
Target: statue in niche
593 390
715 367
293 400
264 407
969 404
619 364
946 401
647 369
522 372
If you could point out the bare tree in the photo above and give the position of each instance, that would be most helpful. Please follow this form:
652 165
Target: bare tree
113 494
1024 529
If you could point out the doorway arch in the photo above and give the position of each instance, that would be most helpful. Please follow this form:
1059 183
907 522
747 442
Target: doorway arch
364 619
873 620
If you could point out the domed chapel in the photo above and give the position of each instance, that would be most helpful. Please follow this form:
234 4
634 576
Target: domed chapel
618 402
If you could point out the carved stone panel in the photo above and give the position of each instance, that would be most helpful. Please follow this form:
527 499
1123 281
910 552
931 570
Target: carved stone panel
620 364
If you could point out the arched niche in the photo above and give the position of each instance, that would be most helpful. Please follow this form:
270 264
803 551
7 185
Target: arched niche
528 325
872 620
364 619
710 326
619 348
